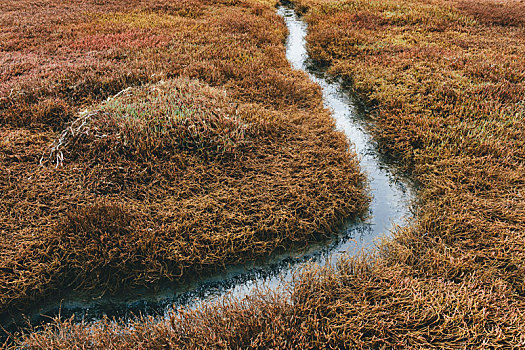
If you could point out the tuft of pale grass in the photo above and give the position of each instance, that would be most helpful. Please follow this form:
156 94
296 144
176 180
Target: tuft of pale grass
157 120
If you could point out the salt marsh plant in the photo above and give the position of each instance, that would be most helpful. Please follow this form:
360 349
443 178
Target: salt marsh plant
159 141
444 81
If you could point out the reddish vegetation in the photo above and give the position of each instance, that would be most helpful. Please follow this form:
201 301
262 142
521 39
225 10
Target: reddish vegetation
446 81
502 12
218 154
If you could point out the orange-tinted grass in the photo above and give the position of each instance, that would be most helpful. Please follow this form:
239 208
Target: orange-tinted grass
445 82
209 151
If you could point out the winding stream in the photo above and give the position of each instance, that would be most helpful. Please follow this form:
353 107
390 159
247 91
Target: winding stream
390 206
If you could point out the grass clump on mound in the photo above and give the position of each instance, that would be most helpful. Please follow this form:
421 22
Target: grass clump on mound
445 80
209 151
172 179
158 122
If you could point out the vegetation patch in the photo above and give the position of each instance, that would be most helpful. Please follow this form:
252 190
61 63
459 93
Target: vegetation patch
158 122
138 148
445 81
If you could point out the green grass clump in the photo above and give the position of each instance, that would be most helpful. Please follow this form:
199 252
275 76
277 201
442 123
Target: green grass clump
161 120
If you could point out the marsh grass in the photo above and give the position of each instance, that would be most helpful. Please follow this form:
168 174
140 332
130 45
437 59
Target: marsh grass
445 81
155 121
198 148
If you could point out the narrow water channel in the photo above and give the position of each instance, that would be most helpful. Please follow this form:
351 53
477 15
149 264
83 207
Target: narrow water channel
390 206
391 196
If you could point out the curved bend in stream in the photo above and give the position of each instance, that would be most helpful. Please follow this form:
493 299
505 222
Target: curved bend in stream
390 206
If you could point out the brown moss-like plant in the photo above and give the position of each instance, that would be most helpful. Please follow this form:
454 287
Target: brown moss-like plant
146 142
446 83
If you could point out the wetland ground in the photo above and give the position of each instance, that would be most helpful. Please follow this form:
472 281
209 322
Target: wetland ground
445 83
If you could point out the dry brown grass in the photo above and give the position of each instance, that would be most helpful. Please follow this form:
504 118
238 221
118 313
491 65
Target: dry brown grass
446 82
448 94
359 305
211 152
495 12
